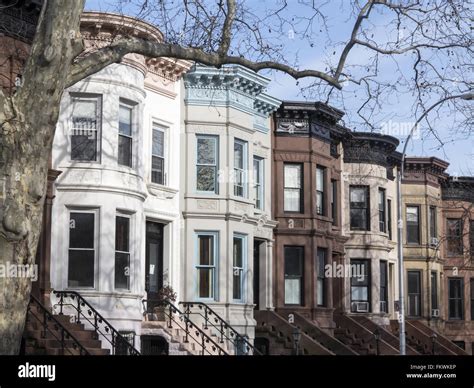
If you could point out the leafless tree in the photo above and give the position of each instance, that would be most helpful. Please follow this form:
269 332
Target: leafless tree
432 36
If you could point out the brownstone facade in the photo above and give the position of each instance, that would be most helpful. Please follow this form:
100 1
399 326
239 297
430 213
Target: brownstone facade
305 150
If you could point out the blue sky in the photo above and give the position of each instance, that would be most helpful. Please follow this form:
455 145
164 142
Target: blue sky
322 48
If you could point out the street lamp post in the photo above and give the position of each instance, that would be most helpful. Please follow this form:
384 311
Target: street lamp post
401 317
377 340
296 339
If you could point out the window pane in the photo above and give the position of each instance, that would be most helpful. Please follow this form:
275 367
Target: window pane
84 116
358 196
81 230
292 291
238 252
320 179
206 178
412 214
205 282
293 261
358 219
293 175
158 143
125 120
238 155
122 270
122 233
81 268
206 250
83 147
125 151
157 170
237 284
206 150
292 200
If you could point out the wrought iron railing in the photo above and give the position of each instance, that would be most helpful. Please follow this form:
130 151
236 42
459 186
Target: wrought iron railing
50 325
191 330
223 329
83 310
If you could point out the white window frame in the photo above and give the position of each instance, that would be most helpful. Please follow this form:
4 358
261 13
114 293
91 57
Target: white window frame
214 267
259 185
241 171
97 98
130 251
215 165
290 188
165 130
96 213
243 269
132 107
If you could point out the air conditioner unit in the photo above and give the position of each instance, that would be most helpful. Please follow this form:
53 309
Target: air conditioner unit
360 307
434 241
435 312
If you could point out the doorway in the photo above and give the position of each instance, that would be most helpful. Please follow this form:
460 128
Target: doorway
154 259
257 245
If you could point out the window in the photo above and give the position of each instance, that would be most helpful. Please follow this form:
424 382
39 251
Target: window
320 189
413 224
81 249
383 286
359 208
432 220
121 343
207 157
240 168
321 283
294 258
382 210
238 267
454 237
85 129
206 267
158 174
460 344
334 201
360 285
293 187
434 290
455 298
472 299
258 181
125 139
122 252
389 219
414 293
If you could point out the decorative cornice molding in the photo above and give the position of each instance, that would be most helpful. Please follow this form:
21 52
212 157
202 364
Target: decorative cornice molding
458 189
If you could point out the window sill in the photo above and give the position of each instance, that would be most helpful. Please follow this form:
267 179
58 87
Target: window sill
161 191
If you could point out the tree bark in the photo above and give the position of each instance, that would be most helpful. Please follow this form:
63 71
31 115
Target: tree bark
27 124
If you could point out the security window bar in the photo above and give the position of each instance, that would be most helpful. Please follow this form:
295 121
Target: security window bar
158 174
81 260
125 138
86 118
122 253
207 164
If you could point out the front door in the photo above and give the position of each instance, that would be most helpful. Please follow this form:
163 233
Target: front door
154 259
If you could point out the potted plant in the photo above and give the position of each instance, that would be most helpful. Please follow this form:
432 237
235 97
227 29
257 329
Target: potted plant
166 294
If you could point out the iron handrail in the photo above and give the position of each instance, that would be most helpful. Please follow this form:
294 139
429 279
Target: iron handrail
188 324
65 333
221 326
98 319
